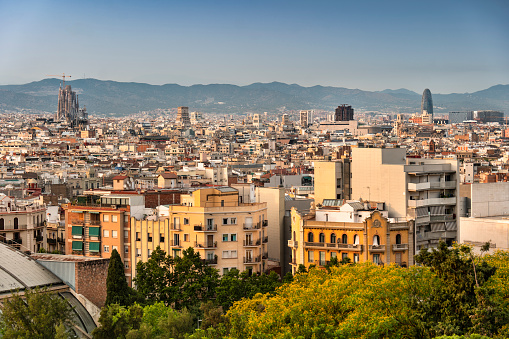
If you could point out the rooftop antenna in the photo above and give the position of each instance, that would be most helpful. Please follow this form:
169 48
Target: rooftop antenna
58 75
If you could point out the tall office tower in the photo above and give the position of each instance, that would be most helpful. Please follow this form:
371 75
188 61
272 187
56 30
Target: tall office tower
306 118
427 103
343 113
286 119
183 117
459 117
424 190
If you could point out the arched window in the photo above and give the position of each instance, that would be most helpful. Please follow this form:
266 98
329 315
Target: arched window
15 223
333 238
322 237
1 223
376 240
344 239
356 239
398 239
310 237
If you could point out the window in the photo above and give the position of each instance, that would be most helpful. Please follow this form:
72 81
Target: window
138 252
126 234
210 222
311 256
225 221
322 258
333 238
149 252
356 239
126 249
225 270
398 239
2 223
106 248
138 238
226 254
376 258
233 237
356 257
150 237
114 218
186 221
126 264
225 237
234 254
310 237
106 217
186 237
222 203
126 218
322 237
106 233
333 255
233 221
114 234
344 239
376 240
344 256
16 223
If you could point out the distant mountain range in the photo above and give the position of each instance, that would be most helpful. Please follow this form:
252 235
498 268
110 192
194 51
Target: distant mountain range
123 98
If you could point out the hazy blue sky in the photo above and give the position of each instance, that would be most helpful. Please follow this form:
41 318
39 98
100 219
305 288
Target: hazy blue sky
447 46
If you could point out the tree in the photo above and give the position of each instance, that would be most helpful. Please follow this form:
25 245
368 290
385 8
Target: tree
117 290
116 321
36 314
153 277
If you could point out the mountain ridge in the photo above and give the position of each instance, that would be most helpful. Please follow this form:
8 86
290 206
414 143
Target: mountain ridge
124 98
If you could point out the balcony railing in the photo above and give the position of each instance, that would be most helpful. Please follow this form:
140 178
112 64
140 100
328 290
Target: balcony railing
265 239
265 223
95 222
432 201
251 226
210 261
77 222
208 244
293 243
399 247
248 260
39 238
52 241
248 243
206 228
175 227
377 248
175 243
265 255
314 244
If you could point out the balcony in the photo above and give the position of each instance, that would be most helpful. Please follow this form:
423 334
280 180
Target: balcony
250 260
61 240
251 227
175 243
265 239
376 248
293 243
207 228
265 255
314 244
432 201
422 186
399 247
95 222
175 227
52 241
441 218
210 261
77 222
265 223
251 243
208 244
39 238
348 247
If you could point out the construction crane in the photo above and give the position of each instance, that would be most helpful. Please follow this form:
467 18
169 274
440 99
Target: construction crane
58 75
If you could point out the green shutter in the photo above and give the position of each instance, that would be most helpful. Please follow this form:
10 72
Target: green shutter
77 230
94 231
77 245
94 246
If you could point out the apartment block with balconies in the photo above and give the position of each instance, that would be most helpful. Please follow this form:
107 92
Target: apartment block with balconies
226 233
355 232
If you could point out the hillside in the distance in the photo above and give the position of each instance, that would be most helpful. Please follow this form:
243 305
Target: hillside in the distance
123 98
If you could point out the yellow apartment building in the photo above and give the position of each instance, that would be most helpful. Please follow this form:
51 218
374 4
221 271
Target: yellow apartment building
359 231
227 234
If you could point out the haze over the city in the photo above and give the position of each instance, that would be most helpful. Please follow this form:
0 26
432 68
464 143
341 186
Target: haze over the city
452 46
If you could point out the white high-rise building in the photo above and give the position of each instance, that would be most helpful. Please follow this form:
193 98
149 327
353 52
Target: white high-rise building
306 118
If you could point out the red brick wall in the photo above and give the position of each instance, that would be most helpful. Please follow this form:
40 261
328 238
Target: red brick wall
154 199
91 280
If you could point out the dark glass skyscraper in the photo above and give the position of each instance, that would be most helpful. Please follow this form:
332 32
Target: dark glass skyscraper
427 103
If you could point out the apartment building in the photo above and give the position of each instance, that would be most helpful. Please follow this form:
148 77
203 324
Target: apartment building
227 234
421 189
95 231
355 231
22 223
332 180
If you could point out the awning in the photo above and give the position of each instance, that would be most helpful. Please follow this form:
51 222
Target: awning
93 212
77 230
73 211
94 231
94 246
77 245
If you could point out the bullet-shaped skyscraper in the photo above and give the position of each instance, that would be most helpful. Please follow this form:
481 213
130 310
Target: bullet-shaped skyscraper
427 103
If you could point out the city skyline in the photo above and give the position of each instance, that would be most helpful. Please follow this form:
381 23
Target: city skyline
452 47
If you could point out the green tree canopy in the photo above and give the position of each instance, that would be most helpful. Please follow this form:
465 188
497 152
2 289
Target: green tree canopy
117 289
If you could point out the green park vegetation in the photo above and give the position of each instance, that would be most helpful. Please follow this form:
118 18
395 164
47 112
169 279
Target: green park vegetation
450 294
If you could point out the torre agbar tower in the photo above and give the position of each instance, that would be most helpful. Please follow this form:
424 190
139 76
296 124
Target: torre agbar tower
427 103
